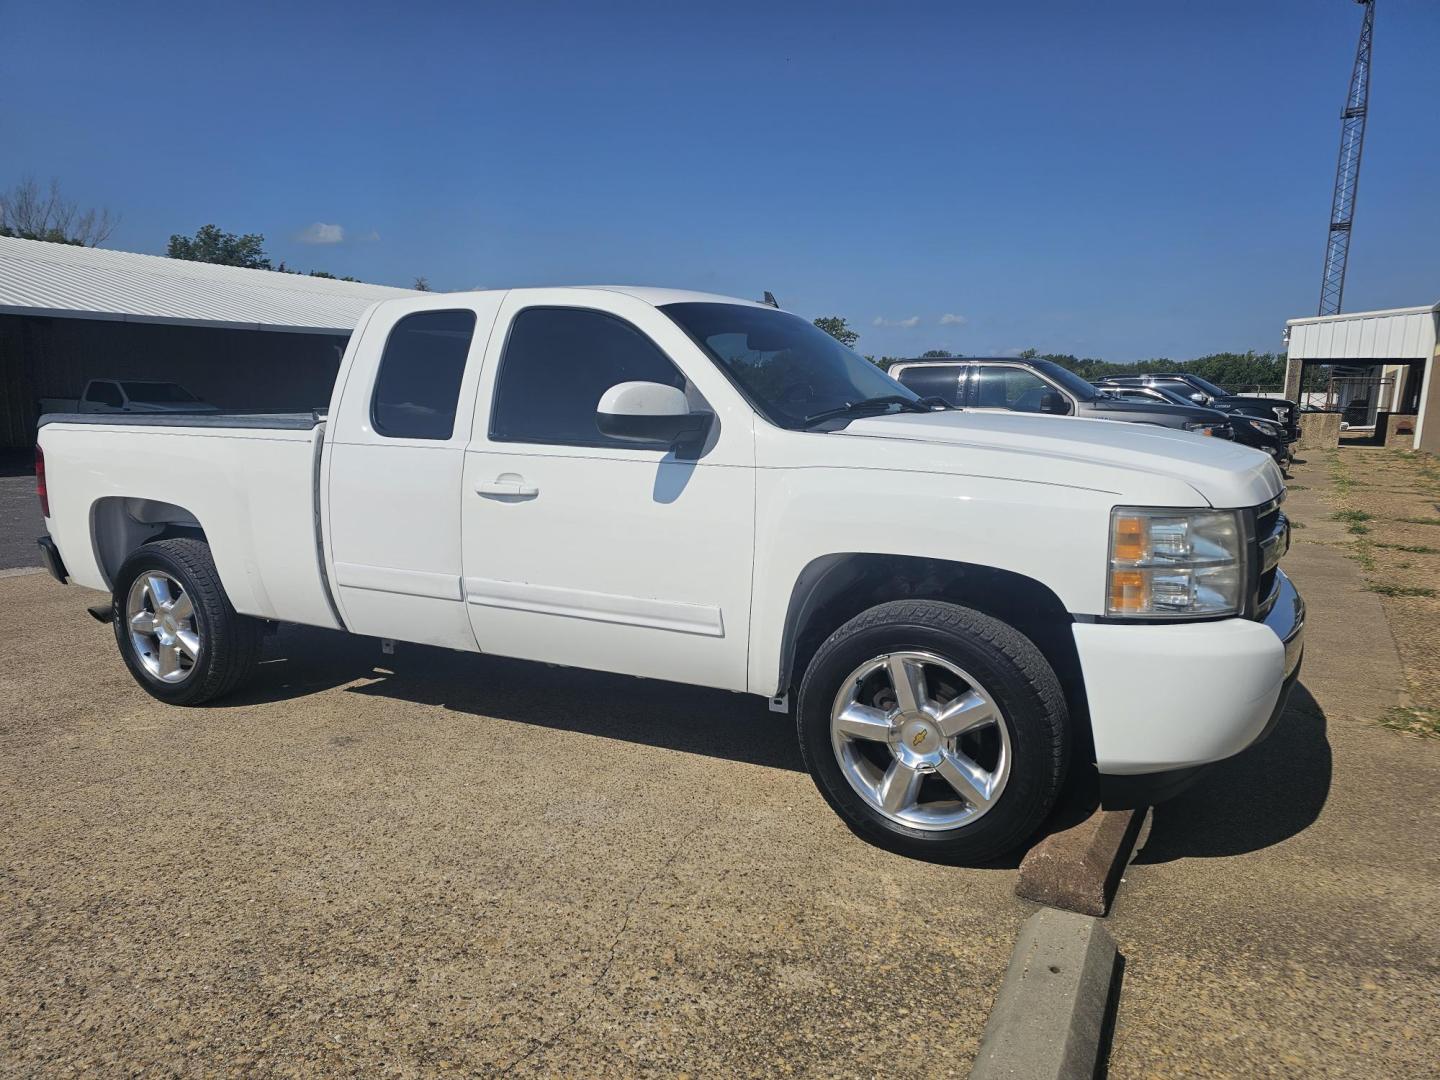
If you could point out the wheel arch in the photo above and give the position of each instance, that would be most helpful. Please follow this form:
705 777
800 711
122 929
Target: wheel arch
119 525
834 588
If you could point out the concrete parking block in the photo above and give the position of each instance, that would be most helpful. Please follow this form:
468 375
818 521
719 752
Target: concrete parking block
1049 1018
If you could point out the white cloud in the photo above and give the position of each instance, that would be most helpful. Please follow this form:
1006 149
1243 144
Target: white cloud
953 320
908 324
320 233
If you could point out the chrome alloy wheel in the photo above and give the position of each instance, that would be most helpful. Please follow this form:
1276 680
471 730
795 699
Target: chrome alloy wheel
161 620
920 740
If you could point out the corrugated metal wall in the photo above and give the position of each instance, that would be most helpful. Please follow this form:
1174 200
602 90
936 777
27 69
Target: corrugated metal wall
247 370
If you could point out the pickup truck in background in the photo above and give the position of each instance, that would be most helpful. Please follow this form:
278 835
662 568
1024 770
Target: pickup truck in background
1022 384
129 396
959 607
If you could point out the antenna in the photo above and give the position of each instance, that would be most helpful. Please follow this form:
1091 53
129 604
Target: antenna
1347 169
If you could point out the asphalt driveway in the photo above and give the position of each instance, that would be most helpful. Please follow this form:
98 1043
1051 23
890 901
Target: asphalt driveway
20 520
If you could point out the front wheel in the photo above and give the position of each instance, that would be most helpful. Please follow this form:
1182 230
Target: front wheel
934 731
178 632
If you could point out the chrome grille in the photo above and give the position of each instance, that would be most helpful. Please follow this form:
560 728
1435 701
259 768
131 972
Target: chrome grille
1272 541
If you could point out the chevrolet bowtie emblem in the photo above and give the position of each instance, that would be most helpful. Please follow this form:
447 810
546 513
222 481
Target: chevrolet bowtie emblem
918 738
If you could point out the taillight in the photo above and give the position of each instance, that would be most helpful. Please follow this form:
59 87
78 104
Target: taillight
40 482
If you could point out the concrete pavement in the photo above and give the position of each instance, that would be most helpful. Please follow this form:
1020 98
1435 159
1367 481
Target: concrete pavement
428 862
1280 919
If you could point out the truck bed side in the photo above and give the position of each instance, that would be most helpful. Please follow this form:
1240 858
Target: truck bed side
247 483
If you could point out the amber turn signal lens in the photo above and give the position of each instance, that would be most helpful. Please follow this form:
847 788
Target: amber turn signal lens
1129 540
1128 590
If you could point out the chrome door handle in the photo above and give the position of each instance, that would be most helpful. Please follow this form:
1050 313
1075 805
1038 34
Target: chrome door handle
507 487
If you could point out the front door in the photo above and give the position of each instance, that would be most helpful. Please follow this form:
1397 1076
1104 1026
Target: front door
587 551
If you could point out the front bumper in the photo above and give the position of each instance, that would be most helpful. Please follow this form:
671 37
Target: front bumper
1172 697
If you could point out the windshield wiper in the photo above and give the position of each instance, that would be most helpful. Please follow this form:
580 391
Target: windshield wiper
872 404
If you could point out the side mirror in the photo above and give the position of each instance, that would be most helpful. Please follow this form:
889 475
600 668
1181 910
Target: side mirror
646 412
1199 398
1054 404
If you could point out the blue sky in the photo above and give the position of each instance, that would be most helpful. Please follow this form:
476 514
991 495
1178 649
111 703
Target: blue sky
1122 180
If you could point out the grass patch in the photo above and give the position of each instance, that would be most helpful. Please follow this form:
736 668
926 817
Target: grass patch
1385 588
1413 549
1355 520
1418 521
1413 720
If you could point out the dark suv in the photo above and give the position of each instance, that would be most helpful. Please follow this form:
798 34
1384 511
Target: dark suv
1277 411
1041 386
1260 432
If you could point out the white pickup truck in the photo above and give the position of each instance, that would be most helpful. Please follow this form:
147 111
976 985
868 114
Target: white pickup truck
958 607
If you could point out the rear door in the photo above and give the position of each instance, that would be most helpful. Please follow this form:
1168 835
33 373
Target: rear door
395 456
590 552
945 381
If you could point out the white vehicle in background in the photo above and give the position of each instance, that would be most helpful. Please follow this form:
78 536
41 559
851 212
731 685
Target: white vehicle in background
129 396
958 607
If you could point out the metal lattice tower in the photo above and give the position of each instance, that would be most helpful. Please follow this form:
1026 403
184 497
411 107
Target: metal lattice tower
1347 170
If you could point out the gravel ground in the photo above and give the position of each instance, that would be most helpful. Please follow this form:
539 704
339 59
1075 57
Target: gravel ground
449 862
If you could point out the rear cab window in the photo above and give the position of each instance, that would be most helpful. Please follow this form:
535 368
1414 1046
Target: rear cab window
418 385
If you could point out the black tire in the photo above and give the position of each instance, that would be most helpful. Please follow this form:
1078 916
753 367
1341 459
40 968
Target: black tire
1016 676
230 646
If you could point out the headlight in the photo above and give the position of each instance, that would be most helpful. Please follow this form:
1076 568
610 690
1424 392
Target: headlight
1174 563
1200 427
1265 427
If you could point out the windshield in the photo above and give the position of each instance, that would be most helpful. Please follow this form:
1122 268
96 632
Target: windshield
1208 386
1068 380
157 392
1155 394
788 369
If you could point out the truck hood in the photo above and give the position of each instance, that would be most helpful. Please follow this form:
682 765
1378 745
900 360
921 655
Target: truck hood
1091 453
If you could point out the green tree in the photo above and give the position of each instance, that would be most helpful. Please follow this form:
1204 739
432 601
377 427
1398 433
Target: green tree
839 329
29 213
936 354
422 284
211 245
1237 372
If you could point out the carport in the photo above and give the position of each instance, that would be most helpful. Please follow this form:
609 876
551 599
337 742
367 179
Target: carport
244 340
1381 366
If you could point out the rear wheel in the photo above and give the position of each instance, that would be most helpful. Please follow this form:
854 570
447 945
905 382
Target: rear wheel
178 633
934 731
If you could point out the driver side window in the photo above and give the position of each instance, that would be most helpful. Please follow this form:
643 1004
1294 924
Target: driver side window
558 363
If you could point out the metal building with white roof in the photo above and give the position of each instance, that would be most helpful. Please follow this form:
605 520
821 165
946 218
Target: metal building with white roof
69 314
1390 355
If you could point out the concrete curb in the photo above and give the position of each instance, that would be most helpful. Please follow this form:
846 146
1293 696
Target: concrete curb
1079 869
1050 1017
